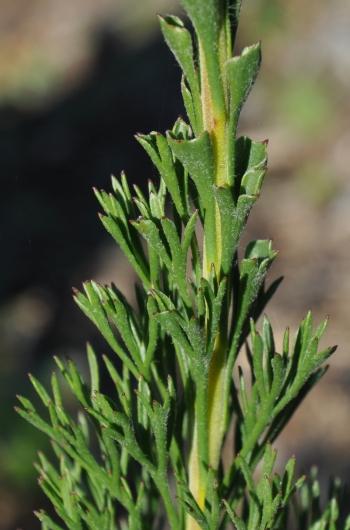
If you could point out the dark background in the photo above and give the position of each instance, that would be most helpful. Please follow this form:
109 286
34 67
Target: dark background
77 80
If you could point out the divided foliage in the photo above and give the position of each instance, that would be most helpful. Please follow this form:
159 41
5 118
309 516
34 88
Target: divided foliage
149 455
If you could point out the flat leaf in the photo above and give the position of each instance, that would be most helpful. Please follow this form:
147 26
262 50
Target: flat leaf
197 158
242 72
179 41
233 220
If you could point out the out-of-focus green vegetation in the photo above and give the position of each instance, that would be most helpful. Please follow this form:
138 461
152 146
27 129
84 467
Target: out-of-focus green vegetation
315 181
305 106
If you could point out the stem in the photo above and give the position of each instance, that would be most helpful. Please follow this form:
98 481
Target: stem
162 484
216 411
214 121
198 460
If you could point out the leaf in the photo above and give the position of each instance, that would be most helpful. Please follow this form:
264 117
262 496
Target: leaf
165 242
208 20
178 258
41 425
269 460
158 150
189 106
214 302
197 158
62 416
258 258
135 258
258 362
156 199
179 40
237 521
197 339
94 371
121 384
191 506
121 313
40 390
288 481
250 154
242 72
91 305
169 322
247 165
149 230
46 520
119 209
233 220
189 232
152 331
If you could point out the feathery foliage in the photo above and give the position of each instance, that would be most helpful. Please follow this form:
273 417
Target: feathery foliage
149 455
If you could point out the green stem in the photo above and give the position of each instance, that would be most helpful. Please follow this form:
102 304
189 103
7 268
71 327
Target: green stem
216 411
214 121
198 461
162 484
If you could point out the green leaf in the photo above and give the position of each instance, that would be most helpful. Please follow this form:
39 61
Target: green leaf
208 20
258 258
127 244
237 521
248 165
179 41
34 419
197 158
170 323
258 362
156 199
71 374
189 232
47 521
40 390
94 371
121 384
214 303
242 72
149 230
120 312
233 220
158 150
189 106
91 305
191 506
178 258
152 331
26 403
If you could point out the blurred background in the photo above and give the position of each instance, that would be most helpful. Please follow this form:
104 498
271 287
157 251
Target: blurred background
77 80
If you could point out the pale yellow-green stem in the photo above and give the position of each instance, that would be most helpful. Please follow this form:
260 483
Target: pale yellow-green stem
216 124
